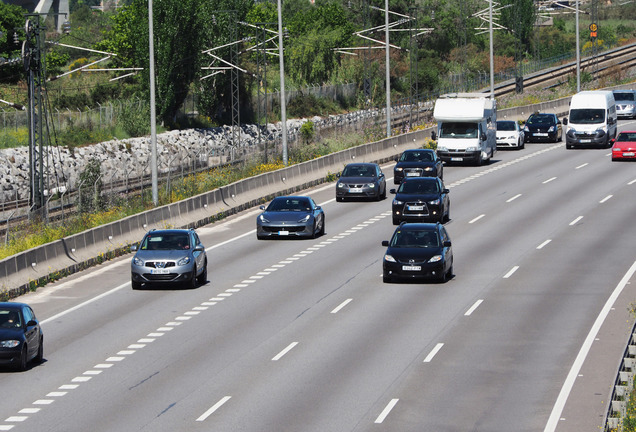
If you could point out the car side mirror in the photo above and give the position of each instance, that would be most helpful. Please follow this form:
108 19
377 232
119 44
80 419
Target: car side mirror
262 207
446 191
32 323
483 137
565 120
133 248
433 135
612 141
199 248
317 208
385 243
447 243
393 191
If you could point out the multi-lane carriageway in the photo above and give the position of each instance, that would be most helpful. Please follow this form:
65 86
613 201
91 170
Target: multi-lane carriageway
304 336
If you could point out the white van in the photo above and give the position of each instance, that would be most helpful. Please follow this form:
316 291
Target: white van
466 127
592 121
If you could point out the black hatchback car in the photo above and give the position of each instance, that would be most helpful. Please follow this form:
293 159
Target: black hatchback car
361 180
418 251
421 199
418 163
21 338
543 127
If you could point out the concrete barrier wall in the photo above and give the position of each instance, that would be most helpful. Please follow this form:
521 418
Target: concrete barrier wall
26 270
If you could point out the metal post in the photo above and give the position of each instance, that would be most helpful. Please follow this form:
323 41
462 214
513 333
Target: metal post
153 111
283 102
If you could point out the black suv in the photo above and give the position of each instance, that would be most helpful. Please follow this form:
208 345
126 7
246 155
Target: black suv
542 127
418 163
418 251
421 199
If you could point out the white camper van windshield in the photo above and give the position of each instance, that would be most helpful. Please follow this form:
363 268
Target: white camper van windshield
587 116
458 130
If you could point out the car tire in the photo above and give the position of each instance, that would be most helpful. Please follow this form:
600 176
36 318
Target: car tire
23 360
322 228
192 283
386 278
135 285
443 277
383 193
568 146
339 199
447 216
203 277
39 358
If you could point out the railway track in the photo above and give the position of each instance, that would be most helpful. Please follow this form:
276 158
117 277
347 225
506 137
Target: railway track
18 212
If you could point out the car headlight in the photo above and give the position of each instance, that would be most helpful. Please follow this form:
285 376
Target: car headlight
138 262
398 169
396 202
617 149
600 131
552 129
183 261
305 219
371 185
435 258
263 219
389 258
9 343
428 169
340 185
471 149
442 148
526 129
434 202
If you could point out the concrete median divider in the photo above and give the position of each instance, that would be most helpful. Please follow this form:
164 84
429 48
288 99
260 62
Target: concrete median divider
28 270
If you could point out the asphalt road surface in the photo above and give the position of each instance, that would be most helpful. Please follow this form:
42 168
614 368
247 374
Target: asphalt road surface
303 335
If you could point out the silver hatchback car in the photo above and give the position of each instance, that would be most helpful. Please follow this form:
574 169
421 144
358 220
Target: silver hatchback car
169 256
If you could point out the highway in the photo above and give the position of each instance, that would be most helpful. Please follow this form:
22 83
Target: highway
303 335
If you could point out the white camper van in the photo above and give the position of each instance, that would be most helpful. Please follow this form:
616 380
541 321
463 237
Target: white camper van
592 121
466 127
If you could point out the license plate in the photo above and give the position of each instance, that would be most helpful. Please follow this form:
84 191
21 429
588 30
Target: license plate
540 134
457 159
416 208
283 233
630 154
159 271
355 190
412 174
411 268
586 140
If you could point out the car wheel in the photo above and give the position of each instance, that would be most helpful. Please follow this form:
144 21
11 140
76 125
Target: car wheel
568 146
449 274
135 285
39 358
203 277
339 199
192 283
22 361
442 277
447 217
384 192
386 278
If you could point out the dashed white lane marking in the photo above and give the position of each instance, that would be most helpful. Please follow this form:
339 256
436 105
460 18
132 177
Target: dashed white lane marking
511 272
545 243
476 219
513 198
385 412
343 304
605 199
583 165
285 351
473 307
433 353
214 407
549 180
574 222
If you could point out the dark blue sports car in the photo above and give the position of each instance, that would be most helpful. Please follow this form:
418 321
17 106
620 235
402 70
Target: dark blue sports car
290 216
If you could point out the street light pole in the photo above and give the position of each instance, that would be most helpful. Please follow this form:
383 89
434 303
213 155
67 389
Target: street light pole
388 75
578 51
153 113
492 60
283 112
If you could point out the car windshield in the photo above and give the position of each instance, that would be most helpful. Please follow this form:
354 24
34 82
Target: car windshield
415 239
624 96
540 120
358 171
505 125
9 318
458 130
175 241
587 115
626 136
418 187
289 204
416 157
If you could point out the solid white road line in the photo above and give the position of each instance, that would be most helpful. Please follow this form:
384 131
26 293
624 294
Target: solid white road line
585 349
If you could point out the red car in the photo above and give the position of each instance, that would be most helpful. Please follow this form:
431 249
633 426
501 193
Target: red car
624 146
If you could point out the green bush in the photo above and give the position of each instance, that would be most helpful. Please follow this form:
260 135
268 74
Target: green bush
135 118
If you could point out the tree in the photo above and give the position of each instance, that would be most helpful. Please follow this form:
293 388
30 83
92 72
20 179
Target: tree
11 20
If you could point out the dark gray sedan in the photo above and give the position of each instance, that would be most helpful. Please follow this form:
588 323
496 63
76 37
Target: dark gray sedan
290 216
361 180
